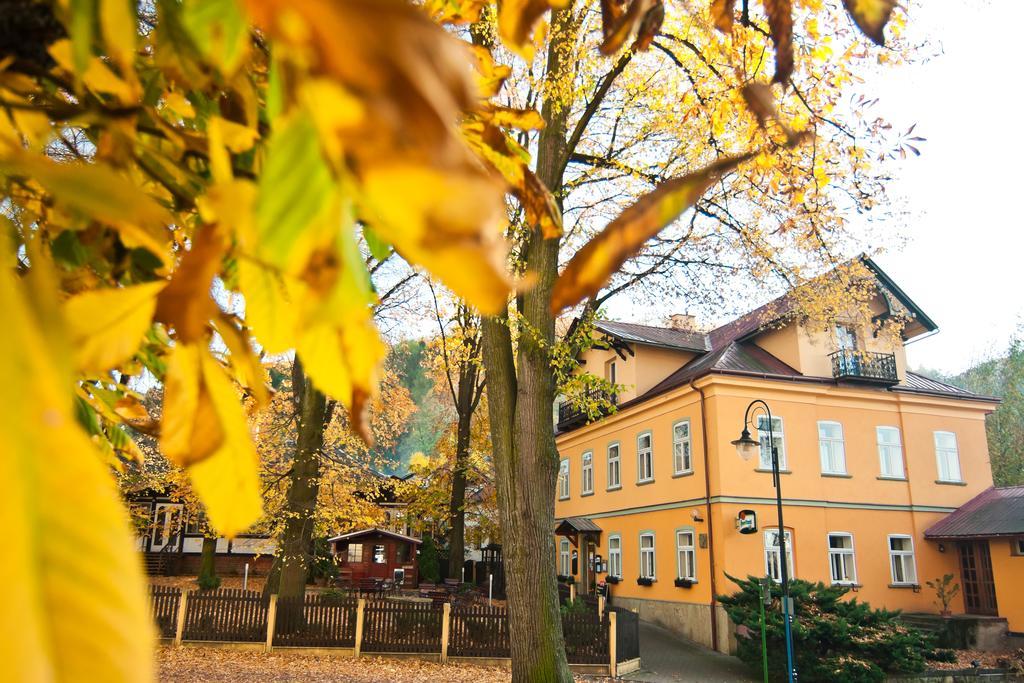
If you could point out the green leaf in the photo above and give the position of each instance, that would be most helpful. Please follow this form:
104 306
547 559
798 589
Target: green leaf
379 248
295 188
219 29
83 30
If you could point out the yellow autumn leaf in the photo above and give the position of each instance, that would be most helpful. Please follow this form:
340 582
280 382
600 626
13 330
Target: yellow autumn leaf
191 429
179 104
269 309
98 191
517 19
871 16
79 611
228 480
592 265
119 25
98 77
106 325
447 222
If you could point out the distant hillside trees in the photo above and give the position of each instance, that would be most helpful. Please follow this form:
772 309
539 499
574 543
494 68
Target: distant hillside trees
1002 377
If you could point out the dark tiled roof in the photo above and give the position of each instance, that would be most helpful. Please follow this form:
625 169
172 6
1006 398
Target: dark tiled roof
919 384
993 512
749 323
666 337
576 524
734 357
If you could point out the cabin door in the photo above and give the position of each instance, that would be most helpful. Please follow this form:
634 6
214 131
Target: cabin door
379 560
976 575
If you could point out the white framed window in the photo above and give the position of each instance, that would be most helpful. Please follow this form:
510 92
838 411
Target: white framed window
615 556
1017 546
614 466
890 452
772 565
563 479
947 456
564 558
780 442
647 563
556 408
841 561
644 458
901 560
355 552
686 555
831 447
610 373
587 472
682 455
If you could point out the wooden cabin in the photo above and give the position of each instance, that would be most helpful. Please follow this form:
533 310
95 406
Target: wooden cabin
377 553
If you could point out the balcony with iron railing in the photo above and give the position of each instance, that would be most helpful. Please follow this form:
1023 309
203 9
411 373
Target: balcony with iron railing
864 366
571 415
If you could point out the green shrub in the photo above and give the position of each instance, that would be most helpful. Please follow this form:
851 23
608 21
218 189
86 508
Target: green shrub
208 582
941 654
833 639
333 596
430 567
573 607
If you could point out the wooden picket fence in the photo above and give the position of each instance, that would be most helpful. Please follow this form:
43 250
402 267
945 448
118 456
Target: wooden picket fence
379 626
226 614
391 626
165 601
478 631
315 621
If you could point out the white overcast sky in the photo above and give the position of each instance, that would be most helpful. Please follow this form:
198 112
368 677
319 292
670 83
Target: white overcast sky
962 261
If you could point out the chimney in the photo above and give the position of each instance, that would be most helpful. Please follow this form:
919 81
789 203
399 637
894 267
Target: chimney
683 321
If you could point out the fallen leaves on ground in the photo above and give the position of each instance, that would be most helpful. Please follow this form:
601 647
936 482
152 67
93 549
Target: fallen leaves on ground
188 664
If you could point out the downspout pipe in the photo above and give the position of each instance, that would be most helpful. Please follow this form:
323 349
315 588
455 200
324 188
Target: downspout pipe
707 504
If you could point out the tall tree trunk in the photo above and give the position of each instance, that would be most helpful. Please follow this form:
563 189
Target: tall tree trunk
295 556
522 433
208 562
457 507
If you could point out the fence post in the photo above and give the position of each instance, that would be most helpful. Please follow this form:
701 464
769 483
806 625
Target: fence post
612 638
271 621
360 606
600 607
572 592
446 618
180 626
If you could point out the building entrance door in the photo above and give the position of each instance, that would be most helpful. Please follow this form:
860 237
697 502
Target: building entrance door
976 575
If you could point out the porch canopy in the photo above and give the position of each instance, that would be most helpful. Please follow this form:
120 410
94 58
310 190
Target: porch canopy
572 527
994 513
584 534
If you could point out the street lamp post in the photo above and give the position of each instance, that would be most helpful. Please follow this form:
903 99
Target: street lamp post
747 447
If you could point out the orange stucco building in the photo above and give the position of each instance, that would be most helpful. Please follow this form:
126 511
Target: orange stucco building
872 456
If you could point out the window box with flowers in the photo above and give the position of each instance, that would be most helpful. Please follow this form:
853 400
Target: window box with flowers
645 581
684 583
612 579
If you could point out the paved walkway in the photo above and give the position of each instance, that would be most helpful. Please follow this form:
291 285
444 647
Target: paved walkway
667 658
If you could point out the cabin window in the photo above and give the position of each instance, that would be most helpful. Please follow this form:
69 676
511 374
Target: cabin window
890 452
355 552
947 456
401 553
644 458
686 555
379 556
840 558
831 447
777 435
901 560
563 480
587 472
647 563
615 556
614 467
682 458
772 564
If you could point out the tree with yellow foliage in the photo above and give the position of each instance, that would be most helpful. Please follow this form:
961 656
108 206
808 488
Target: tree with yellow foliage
152 155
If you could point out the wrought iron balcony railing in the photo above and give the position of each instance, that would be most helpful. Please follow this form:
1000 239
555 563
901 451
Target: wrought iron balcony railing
864 366
571 416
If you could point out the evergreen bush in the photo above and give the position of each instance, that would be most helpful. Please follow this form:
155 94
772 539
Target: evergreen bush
833 639
430 566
